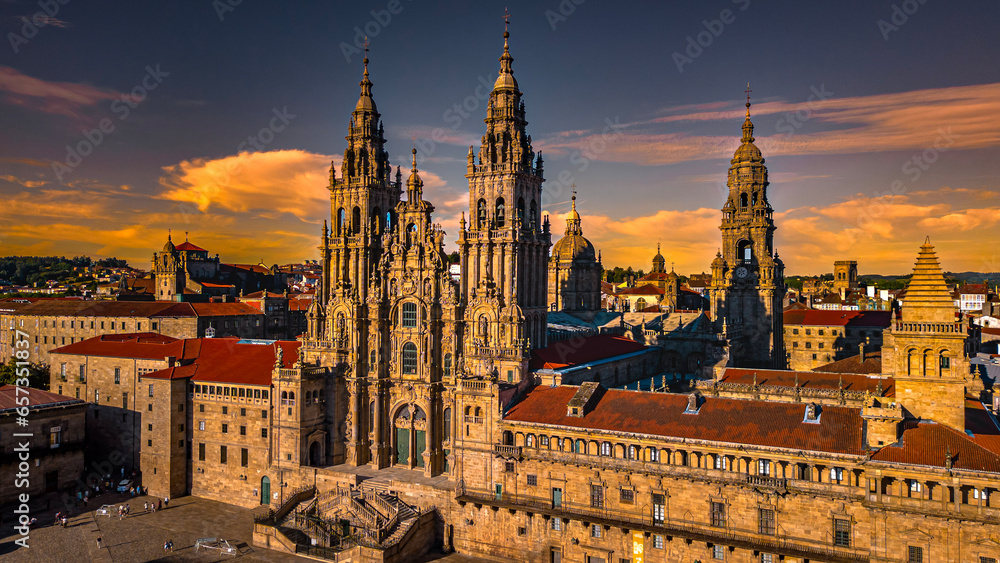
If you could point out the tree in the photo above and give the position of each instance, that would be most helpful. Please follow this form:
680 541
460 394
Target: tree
38 374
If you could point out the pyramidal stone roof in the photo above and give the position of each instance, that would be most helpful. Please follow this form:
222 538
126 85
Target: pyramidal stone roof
927 296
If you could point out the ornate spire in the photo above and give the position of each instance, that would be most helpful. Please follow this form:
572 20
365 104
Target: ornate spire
747 124
573 223
414 185
927 295
365 102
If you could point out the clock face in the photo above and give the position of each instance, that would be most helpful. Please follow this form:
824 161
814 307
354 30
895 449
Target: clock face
742 272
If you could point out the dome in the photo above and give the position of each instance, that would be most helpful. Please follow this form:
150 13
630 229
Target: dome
748 152
505 81
573 247
169 247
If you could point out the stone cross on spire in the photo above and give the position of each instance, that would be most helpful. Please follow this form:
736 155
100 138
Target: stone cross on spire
748 90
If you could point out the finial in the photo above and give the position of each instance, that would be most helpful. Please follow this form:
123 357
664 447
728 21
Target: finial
168 234
574 198
414 159
366 43
185 236
506 21
748 90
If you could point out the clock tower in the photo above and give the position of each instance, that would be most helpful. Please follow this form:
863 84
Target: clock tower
748 280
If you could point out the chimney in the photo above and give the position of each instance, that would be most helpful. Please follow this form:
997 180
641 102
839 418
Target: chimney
171 360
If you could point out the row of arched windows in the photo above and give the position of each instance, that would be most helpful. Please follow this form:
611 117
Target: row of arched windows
378 221
500 213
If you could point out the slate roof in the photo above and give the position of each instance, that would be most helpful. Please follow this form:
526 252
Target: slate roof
566 353
733 421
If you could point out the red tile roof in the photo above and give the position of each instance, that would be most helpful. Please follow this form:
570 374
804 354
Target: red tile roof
36 398
223 309
142 345
577 351
222 360
189 247
854 364
852 319
733 421
261 294
215 285
927 443
808 379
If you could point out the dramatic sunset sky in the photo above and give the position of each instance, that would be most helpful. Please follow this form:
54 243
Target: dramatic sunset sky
879 121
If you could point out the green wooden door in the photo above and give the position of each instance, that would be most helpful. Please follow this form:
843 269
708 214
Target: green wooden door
447 468
421 444
265 490
403 446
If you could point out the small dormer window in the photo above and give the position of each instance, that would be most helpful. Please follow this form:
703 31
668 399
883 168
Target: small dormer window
813 413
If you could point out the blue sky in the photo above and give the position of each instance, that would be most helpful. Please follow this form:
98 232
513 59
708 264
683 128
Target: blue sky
878 120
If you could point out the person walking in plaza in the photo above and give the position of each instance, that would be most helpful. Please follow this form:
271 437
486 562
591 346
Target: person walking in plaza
145 507
166 501
159 505
98 542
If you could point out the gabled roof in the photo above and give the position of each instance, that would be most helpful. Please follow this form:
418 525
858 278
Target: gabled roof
142 345
872 363
224 309
577 351
187 246
733 421
851 319
11 398
928 443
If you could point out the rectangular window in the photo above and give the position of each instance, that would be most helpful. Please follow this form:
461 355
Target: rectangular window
914 554
150 389
225 410
201 452
841 533
263 432
597 497
836 475
765 519
718 552
945 362
718 516
118 376
225 428
201 408
409 315
557 524
263 414
243 412
223 454
658 508
243 430
720 462
987 559
763 467
766 558
556 497
627 496
55 438
595 530
532 480
657 541
201 425
244 457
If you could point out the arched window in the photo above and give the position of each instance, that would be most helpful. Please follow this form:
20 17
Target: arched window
530 441
606 449
376 217
640 304
291 397
356 220
371 416
533 214
388 220
508 438
743 200
447 365
654 454
409 315
632 452
755 198
409 358
284 397
579 447
500 214
744 251
520 210
447 424
481 214
341 222
371 361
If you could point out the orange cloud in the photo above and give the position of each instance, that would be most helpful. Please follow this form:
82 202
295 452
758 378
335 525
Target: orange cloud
961 117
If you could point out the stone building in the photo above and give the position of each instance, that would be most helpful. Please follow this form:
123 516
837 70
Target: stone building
748 279
414 388
845 276
814 337
59 322
186 272
574 271
284 314
52 442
